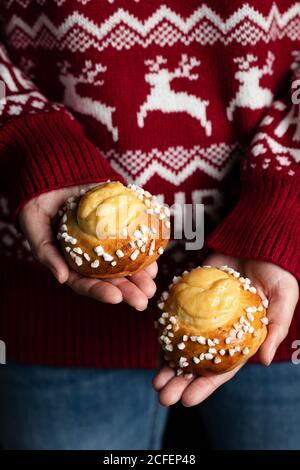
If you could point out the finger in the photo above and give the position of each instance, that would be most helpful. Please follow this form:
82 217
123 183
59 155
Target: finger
144 282
171 393
152 270
202 387
50 257
37 230
162 377
95 288
132 295
280 313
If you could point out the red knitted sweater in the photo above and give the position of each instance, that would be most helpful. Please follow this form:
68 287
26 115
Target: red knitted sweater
176 96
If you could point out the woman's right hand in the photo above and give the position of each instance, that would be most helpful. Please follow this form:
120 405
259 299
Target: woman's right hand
36 219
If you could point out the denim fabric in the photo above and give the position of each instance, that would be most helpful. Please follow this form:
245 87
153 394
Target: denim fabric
53 408
57 408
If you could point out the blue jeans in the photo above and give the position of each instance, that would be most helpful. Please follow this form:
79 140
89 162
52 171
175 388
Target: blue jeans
56 408
52 408
259 410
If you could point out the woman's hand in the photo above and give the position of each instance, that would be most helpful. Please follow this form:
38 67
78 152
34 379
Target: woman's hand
271 281
36 222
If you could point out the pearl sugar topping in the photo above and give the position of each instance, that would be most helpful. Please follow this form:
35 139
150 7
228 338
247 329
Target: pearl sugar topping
214 352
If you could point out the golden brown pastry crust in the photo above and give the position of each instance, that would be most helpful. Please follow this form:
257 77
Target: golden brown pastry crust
137 239
212 320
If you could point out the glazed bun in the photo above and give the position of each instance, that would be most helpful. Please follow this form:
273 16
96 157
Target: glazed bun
113 230
212 320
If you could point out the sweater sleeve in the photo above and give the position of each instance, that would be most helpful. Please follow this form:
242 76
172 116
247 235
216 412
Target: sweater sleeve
265 222
42 146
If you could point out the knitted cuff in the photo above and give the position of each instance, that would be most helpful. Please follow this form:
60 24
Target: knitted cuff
263 225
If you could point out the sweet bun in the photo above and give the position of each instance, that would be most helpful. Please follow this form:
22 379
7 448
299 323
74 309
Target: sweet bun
113 230
212 320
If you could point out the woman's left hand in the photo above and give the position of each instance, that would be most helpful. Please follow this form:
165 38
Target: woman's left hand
271 281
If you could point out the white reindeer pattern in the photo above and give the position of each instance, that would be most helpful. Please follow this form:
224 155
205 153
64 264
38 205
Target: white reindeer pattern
85 105
163 98
250 94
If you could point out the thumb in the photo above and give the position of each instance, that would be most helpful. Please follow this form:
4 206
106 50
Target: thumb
49 256
282 305
36 226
